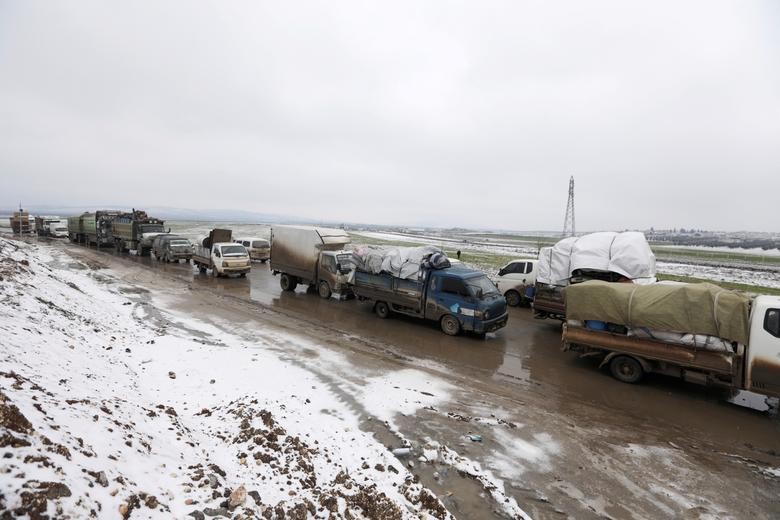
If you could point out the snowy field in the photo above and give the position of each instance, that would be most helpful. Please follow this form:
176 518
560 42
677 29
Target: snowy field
764 278
111 408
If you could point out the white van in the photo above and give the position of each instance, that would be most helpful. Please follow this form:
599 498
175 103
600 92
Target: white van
259 248
514 281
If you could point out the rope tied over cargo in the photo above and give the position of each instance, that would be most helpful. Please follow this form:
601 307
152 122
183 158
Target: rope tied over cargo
715 311
630 303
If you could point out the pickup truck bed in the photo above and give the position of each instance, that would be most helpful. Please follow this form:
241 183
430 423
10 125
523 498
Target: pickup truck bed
719 366
399 292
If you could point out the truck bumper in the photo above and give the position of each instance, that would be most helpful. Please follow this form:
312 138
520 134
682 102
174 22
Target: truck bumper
491 325
235 270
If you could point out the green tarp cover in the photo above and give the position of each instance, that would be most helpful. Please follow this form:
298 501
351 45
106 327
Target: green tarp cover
700 308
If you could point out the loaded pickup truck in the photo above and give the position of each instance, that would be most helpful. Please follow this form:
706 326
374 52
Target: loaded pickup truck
459 299
220 254
312 256
606 256
697 332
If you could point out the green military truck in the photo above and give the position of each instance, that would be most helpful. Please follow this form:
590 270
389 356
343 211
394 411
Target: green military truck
76 229
136 231
92 228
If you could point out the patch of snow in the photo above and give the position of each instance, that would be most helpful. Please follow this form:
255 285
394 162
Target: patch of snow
127 417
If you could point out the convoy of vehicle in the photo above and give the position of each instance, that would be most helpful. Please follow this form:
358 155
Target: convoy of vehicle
313 256
516 282
259 248
602 286
221 255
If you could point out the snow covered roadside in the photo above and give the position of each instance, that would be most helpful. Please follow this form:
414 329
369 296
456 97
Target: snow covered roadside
101 416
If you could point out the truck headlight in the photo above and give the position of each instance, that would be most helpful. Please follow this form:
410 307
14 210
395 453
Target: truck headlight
481 315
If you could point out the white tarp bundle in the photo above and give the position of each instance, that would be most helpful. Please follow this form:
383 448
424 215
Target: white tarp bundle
627 254
543 268
403 262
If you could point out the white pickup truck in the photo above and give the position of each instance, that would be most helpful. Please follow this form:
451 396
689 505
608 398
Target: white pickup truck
220 254
516 281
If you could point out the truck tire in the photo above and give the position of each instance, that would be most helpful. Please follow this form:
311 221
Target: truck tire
626 369
382 310
202 268
324 290
513 298
450 325
287 282
215 272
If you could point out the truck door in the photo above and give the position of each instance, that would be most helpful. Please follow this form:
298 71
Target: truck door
449 295
763 370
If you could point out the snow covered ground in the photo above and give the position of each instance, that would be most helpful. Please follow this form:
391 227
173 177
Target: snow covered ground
111 407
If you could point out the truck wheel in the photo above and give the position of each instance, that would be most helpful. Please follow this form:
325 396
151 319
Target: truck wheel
214 272
626 369
324 290
450 325
512 298
287 282
202 269
382 310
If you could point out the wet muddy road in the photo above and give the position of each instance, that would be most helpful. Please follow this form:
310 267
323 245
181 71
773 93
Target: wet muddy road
526 352
522 370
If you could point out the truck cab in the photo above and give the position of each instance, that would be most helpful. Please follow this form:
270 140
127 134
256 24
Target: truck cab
229 258
762 373
516 281
464 300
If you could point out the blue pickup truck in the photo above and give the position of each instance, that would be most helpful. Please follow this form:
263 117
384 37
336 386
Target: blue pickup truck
459 299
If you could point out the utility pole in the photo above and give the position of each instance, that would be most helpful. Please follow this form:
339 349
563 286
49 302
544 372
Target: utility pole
568 221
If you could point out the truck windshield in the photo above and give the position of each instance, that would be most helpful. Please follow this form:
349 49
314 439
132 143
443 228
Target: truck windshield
483 283
233 250
257 244
152 228
180 242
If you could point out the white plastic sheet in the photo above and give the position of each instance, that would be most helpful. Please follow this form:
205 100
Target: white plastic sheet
627 254
402 262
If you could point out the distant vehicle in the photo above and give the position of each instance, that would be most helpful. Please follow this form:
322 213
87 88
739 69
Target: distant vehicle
459 299
259 248
729 341
50 226
58 229
607 256
136 231
219 253
172 248
312 256
516 281
20 222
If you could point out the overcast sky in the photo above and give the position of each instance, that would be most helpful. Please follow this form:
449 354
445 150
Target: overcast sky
437 113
